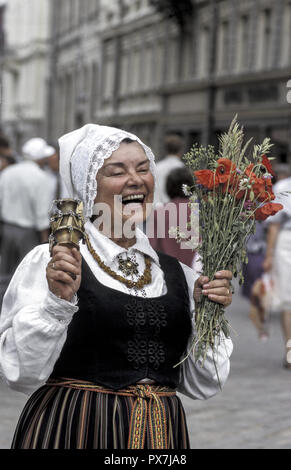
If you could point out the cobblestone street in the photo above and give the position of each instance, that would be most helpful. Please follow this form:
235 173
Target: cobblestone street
253 411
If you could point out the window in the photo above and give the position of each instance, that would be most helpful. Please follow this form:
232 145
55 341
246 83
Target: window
92 8
94 90
203 51
15 78
136 69
108 78
187 56
158 66
124 72
224 47
69 103
172 63
82 11
74 7
148 66
66 16
267 37
129 71
286 37
59 16
61 106
244 42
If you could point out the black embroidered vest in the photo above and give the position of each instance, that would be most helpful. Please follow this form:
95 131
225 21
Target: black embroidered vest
116 339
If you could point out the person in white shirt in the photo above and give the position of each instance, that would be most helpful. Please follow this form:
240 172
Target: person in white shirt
174 147
94 335
278 259
25 200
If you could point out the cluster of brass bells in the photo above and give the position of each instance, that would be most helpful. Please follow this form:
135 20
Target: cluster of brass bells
66 223
67 228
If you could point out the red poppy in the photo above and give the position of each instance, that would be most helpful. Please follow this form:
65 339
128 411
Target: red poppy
249 168
256 182
263 189
267 164
206 178
234 190
240 194
226 170
271 208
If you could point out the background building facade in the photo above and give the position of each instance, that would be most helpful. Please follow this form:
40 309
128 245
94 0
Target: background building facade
120 62
25 70
2 45
74 64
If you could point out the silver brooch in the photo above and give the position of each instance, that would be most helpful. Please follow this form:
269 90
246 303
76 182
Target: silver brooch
128 266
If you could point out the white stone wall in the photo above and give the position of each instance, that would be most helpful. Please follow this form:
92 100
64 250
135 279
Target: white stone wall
26 21
25 73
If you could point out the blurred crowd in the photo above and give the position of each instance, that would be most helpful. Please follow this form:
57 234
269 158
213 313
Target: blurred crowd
29 182
267 273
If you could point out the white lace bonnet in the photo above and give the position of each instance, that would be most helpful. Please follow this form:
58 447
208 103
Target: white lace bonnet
82 154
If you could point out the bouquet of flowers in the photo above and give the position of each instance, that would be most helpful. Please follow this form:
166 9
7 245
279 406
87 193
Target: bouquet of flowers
233 191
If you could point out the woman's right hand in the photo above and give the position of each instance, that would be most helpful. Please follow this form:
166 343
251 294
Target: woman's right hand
64 261
268 263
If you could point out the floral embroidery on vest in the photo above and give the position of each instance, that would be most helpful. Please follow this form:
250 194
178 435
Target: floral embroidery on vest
147 321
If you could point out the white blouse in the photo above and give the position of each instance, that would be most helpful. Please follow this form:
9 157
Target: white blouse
34 322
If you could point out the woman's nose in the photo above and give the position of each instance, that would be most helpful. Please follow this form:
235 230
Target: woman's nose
135 179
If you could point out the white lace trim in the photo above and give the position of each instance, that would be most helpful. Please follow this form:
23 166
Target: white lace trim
84 181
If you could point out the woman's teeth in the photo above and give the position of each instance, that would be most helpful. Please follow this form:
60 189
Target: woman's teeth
133 198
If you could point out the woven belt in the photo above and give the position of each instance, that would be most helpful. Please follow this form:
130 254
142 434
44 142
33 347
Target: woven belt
148 410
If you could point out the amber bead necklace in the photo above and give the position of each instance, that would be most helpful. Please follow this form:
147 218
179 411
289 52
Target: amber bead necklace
145 279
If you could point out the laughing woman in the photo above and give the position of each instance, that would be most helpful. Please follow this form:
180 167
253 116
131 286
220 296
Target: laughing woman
97 352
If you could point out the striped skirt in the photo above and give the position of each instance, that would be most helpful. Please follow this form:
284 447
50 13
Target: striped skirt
70 416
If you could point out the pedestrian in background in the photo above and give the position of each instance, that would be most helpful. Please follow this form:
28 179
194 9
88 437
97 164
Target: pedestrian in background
282 171
174 147
168 244
6 153
256 250
278 257
58 188
256 286
25 199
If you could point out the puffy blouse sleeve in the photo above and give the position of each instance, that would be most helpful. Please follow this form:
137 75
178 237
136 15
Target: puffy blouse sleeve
33 325
199 382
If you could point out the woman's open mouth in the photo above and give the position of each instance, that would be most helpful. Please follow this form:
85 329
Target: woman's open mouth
133 199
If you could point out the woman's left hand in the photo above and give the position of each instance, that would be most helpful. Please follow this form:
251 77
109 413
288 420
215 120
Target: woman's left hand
218 290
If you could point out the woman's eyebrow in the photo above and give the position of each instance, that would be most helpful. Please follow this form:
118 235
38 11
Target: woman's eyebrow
143 162
123 165
114 164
